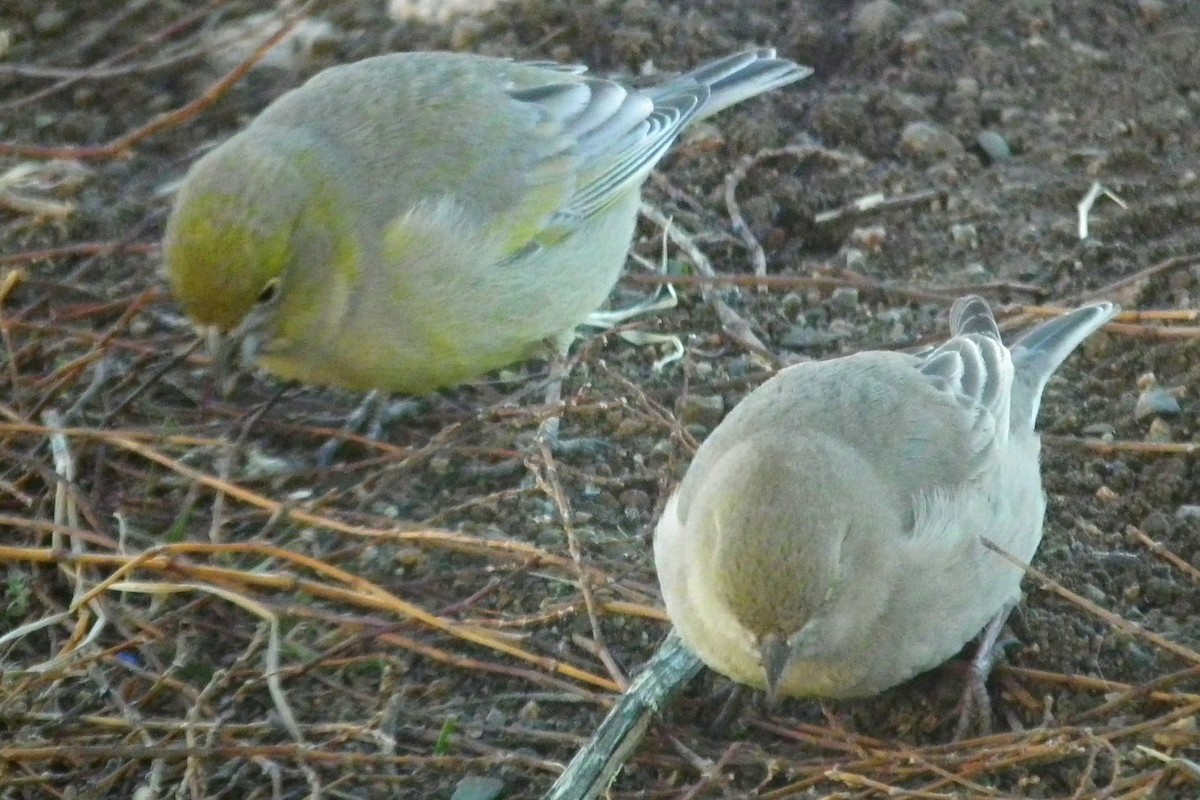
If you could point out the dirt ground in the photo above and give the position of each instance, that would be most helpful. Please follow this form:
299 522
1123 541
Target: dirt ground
180 578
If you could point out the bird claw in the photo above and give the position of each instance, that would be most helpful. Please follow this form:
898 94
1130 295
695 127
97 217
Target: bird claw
974 707
369 419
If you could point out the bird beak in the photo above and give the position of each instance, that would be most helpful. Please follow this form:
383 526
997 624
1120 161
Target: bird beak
230 352
773 653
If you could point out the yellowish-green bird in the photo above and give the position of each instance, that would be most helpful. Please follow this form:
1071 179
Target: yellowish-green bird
411 221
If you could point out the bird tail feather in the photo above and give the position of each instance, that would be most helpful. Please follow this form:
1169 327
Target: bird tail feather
1041 351
735 78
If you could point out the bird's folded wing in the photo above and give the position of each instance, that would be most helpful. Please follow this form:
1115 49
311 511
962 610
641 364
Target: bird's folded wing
613 135
975 369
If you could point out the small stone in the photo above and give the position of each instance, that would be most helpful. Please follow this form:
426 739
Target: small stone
311 42
635 499
844 298
915 39
1094 593
1187 512
876 20
1160 591
1099 430
993 146
706 410
629 427
1159 431
951 20
966 87
853 258
263 465
50 21
1155 524
870 237
530 712
966 234
478 787
1090 53
791 304
1155 401
1151 11
1106 495
929 142
435 11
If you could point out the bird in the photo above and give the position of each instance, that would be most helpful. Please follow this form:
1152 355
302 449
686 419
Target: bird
410 221
833 535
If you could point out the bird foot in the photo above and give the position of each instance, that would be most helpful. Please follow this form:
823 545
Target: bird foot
369 419
974 708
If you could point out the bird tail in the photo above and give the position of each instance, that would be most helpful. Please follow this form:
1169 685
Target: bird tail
734 78
1041 351
970 315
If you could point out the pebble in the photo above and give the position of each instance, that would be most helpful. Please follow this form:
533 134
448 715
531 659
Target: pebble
870 237
929 142
50 22
1159 431
1151 11
1159 591
1188 512
705 410
478 787
951 19
974 272
310 42
263 465
967 87
1156 401
844 298
435 11
1099 430
635 499
965 233
993 146
791 304
530 712
876 20
1155 524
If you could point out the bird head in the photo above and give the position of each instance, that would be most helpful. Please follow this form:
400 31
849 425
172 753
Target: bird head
229 240
259 244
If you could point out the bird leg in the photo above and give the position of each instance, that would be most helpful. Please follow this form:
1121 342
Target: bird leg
733 707
975 707
368 419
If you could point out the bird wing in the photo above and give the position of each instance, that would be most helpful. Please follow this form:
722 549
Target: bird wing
613 134
976 370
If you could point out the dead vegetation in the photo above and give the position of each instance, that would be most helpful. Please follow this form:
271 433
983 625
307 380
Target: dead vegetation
192 609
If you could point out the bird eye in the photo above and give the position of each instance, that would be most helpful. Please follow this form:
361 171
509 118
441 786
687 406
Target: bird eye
269 291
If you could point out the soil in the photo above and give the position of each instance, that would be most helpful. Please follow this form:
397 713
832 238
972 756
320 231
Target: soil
982 124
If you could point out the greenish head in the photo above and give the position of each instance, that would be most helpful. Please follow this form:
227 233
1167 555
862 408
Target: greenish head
231 234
